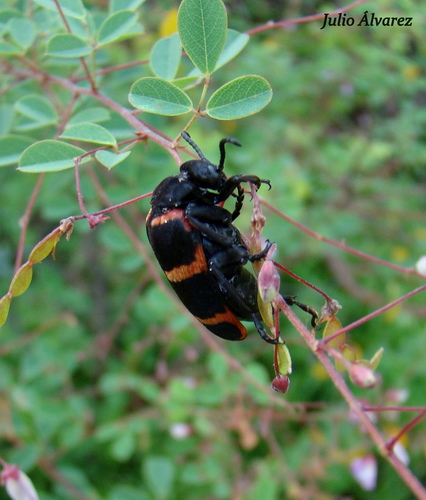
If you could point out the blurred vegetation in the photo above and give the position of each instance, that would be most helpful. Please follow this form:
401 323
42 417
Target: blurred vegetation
107 389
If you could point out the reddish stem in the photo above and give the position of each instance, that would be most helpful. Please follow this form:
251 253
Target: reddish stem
406 429
24 221
342 246
375 313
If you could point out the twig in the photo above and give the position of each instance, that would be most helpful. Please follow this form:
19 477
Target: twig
24 221
342 246
356 407
375 313
82 60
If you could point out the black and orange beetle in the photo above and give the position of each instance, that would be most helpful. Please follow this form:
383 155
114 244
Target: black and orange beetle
199 249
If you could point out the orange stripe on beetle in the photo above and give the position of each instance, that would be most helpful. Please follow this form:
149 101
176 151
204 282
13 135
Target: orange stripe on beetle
226 317
225 325
197 266
174 214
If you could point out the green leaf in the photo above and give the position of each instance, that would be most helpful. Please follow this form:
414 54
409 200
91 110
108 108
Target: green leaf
332 326
23 124
264 485
116 26
235 43
22 31
11 148
159 96
7 14
126 492
72 8
39 109
9 49
89 132
202 28
375 360
7 114
4 309
22 279
165 57
124 446
241 97
49 156
110 159
68 45
119 127
43 248
187 81
117 5
91 115
159 473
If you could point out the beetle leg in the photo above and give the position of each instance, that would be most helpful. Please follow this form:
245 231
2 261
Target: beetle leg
231 184
218 214
238 203
212 214
209 213
211 234
222 262
259 327
217 265
261 255
291 301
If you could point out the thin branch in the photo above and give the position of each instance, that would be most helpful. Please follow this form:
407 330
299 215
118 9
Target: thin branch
342 246
356 407
82 60
112 69
394 408
24 221
301 280
406 429
406 475
375 313
78 189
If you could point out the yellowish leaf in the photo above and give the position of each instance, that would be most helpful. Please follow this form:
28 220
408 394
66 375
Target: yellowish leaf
43 248
4 309
21 280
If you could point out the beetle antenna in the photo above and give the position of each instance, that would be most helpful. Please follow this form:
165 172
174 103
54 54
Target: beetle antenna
222 149
196 148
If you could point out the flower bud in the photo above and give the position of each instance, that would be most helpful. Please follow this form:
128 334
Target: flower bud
362 376
281 383
364 470
268 282
18 485
421 266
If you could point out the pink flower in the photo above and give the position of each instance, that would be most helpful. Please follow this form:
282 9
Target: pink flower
364 470
18 485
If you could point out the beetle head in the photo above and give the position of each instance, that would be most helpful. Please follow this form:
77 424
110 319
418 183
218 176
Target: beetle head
202 172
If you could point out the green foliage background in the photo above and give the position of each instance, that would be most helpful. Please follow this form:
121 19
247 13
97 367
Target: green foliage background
100 372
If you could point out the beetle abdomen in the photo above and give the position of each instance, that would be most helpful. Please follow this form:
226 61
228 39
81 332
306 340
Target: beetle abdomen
180 253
